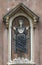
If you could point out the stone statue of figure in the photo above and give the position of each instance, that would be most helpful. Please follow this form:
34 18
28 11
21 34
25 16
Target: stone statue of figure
21 29
20 39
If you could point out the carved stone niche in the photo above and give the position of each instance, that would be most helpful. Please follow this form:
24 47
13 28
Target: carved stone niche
20 11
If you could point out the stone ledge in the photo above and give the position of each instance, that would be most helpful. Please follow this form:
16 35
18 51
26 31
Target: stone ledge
32 63
21 64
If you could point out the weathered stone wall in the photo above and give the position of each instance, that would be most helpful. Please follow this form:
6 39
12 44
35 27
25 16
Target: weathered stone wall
36 7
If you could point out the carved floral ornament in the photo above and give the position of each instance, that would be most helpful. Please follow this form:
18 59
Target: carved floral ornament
19 10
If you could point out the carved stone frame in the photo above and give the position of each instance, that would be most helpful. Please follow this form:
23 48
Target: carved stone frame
22 10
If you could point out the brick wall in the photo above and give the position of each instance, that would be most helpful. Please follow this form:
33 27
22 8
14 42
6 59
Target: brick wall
36 7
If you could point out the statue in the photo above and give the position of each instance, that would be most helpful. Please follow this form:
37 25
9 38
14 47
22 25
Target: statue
20 38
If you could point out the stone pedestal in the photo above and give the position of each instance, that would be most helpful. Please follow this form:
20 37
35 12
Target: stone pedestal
20 61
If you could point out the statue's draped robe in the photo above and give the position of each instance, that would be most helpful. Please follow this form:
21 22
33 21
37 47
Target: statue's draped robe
20 41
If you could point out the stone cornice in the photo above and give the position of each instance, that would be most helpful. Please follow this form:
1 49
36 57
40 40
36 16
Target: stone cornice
21 8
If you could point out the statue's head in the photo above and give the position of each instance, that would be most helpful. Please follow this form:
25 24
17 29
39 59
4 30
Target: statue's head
20 22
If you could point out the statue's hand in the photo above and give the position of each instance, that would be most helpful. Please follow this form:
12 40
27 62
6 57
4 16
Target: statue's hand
27 27
14 28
